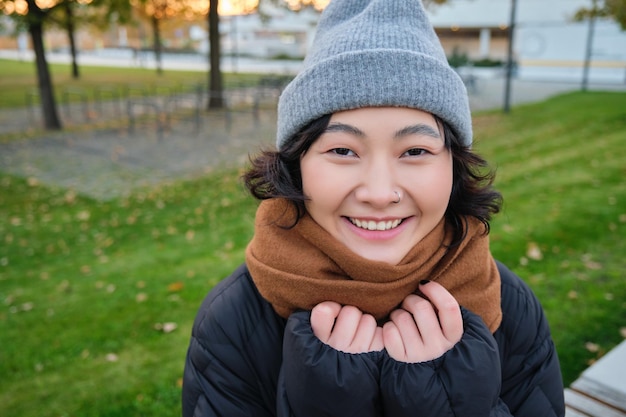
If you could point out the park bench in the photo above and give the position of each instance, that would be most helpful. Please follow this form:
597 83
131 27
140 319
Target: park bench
600 391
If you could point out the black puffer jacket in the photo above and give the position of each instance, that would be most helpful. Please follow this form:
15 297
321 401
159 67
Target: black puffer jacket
245 360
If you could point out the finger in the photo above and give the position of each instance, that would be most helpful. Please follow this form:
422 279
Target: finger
364 335
323 318
393 342
378 343
412 340
424 316
345 328
448 310
405 323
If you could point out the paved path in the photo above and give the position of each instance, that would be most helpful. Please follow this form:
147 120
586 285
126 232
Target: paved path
105 164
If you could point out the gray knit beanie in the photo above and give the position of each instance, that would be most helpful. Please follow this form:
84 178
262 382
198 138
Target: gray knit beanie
374 53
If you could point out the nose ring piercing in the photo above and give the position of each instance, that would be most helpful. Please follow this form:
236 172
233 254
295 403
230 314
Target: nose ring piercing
399 197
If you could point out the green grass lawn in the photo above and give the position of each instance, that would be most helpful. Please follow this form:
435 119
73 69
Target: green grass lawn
98 298
18 82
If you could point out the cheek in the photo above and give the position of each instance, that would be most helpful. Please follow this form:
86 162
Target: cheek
326 188
317 179
435 189
310 181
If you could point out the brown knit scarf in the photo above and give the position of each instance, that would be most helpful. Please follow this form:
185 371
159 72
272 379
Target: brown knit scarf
300 267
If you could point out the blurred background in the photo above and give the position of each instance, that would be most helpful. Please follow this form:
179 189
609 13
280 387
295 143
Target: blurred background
125 127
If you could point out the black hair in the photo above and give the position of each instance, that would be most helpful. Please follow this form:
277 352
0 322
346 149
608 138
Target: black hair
276 174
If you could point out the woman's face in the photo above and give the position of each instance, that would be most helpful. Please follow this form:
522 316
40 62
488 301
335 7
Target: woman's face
352 172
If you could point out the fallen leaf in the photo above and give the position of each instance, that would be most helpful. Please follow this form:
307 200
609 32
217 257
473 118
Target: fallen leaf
622 331
64 286
572 295
592 347
533 252
593 265
70 197
175 286
83 215
111 357
167 327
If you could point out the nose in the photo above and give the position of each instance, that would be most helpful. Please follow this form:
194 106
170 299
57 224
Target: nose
379 186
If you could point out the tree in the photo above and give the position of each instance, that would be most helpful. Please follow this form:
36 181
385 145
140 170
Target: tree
69 14
70 27
216 87
158 10
614 9
30 15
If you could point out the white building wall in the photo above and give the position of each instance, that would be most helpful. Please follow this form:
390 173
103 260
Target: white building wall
547 42
560 51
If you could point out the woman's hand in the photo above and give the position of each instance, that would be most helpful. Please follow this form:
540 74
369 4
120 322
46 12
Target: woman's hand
346 328
424 328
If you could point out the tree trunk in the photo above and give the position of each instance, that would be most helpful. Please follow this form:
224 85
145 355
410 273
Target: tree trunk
70 35
216 99
46 90
156 32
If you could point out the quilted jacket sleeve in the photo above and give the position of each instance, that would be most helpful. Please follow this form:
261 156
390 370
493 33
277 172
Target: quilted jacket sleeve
234 337
514 372
320 381
465 381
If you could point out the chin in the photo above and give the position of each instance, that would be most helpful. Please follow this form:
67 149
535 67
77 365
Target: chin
391 258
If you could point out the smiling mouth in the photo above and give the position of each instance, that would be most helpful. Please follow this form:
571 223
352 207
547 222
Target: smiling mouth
372 225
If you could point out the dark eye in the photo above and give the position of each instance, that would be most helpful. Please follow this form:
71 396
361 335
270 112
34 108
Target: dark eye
415 152
342 151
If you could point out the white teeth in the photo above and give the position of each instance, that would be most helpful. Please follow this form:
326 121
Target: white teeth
372 225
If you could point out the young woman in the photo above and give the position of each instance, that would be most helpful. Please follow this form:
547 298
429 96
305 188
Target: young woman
369 288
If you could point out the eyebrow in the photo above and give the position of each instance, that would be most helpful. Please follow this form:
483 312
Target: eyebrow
417 129
341 127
